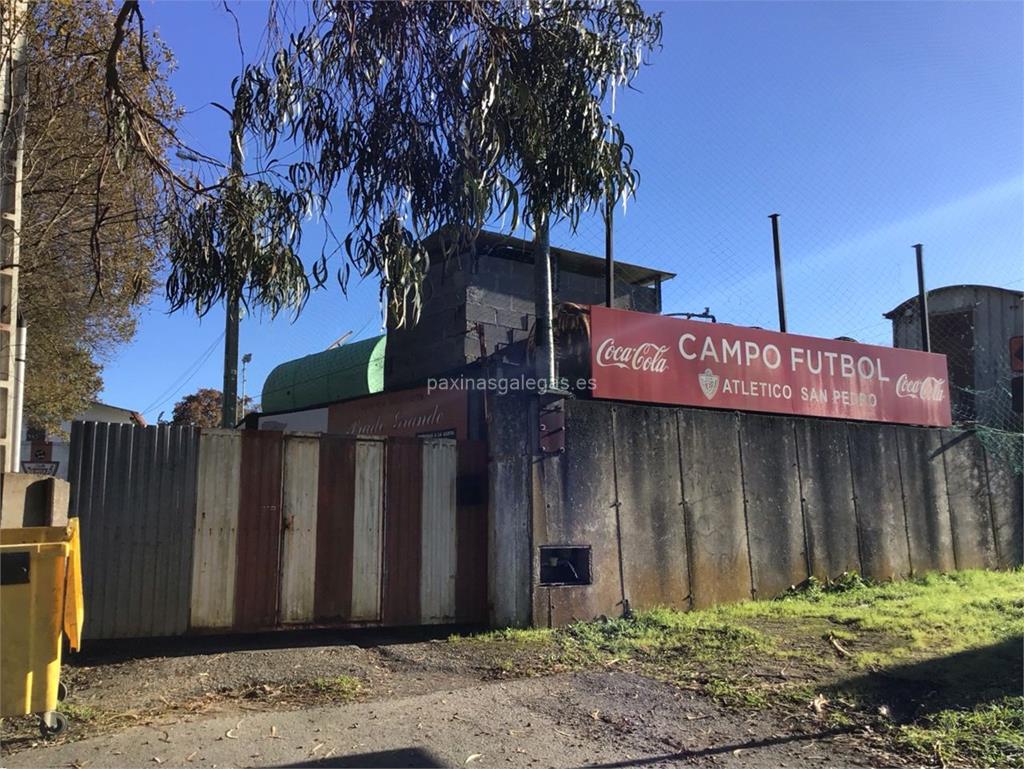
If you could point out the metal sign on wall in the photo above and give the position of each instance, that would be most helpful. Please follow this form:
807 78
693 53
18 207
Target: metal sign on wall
651 358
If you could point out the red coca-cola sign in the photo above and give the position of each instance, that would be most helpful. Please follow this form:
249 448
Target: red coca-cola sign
641 357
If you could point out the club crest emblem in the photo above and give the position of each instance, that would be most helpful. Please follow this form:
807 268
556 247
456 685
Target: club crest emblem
708 383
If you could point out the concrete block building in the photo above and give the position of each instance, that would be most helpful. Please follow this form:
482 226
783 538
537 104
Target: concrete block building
477 303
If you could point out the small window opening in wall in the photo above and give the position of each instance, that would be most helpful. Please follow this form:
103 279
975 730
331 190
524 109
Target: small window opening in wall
565 565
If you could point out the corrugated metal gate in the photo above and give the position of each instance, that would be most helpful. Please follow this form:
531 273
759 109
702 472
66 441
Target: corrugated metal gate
250 530
134 488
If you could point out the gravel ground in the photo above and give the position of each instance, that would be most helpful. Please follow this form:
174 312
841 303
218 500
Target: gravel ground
269 701
603 719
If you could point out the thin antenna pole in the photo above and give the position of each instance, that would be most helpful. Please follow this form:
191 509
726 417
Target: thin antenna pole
779 290
922 299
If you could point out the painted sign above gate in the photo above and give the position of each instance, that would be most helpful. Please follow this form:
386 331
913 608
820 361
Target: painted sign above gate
636 356
415 413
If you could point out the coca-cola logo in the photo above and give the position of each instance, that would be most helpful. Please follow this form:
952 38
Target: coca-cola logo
928 388
646 356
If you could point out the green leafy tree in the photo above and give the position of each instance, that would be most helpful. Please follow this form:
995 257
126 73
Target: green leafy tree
425 115
90 240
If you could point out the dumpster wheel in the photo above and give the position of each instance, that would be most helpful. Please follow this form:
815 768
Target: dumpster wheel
62 691
60 724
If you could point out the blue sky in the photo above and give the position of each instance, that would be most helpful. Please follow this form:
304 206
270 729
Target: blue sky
867 126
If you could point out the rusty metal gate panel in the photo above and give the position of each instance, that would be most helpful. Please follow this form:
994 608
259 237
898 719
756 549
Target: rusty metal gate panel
332 599
439 553
133 489
257 575
367 528
471 532
216 529
403 495
298 539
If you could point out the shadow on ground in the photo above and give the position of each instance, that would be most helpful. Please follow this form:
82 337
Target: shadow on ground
102 651
417 758
961 681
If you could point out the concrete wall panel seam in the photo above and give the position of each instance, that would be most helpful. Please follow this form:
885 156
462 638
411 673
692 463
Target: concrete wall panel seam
746 515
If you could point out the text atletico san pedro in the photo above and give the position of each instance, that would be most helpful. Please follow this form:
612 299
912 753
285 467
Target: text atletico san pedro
655 359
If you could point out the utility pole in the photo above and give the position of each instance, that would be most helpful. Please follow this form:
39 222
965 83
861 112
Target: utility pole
13 104
229 398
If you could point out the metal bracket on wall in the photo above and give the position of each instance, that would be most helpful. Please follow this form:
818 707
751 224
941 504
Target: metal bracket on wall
552 427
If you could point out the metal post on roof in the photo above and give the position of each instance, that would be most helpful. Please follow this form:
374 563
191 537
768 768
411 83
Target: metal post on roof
779 291
922 299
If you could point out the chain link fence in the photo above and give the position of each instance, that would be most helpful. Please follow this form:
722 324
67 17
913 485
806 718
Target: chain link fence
850 274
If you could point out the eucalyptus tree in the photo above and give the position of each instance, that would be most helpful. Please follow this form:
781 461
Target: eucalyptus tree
425 115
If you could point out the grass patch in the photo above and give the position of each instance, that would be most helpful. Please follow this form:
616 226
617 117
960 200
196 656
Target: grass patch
934 663
991 735
737 694
663 634
951 612
79 713
340 688
512 635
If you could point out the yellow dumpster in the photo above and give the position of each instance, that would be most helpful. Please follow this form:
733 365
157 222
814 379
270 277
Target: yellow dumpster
40 596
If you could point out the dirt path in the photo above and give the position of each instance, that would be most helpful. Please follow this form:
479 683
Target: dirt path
569 720
322 698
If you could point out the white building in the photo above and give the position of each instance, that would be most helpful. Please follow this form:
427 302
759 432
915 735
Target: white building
48 454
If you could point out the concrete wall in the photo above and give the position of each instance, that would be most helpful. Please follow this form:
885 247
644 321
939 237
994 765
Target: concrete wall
509 572
691 507
32 500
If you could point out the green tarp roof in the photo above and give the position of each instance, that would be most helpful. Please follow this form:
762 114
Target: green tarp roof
333 375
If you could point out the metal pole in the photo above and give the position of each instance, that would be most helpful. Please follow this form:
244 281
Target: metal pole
240 414
922 299
609 255
229 397
20 354
778 272
239 409
544 302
